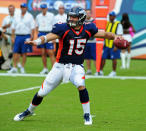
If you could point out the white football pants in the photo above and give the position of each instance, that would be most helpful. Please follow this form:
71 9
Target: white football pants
62 72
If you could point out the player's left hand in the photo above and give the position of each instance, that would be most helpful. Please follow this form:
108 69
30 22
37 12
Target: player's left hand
31 42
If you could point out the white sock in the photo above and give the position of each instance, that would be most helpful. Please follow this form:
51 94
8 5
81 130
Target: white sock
114 71
86 107
31 108
123 59
128 60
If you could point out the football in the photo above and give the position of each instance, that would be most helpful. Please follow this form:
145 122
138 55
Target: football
121 44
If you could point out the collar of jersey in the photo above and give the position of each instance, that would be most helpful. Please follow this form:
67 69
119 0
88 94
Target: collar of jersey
79 30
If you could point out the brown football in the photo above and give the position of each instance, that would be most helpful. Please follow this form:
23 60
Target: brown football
121 44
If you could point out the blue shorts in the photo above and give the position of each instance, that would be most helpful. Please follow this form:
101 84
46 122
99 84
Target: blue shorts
19 46
108 53
49 46
90 51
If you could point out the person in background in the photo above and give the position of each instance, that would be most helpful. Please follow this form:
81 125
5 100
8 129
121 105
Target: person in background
8 20
90 49
7 29
128 31
7 24
59 18
6 51
23 27
44 23
109 50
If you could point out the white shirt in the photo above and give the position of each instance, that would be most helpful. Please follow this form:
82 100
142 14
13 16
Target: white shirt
45 22
8 20
60 18
23 24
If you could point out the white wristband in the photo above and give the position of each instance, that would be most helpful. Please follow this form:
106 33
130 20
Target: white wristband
38 41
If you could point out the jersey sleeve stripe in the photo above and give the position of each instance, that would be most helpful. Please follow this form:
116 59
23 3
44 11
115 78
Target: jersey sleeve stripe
61 46
88 33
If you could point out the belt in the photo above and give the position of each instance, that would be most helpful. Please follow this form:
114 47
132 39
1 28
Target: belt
22 34
8 33
44 31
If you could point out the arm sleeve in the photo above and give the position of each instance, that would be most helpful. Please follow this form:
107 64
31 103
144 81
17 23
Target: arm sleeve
58 29
119 30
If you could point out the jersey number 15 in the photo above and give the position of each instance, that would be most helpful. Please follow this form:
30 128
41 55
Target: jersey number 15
80 45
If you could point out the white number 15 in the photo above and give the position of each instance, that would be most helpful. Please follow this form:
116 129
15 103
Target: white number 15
80 44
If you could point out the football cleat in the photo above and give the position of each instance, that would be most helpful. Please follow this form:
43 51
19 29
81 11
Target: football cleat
88 119
19 65
112 74
13 70
88 72
44 71
21 116
22 70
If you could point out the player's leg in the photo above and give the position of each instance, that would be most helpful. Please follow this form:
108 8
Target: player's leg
52 80
129 39
114 56
87 58
44 61
24 57
88 63
78 79
51 55
105 56
50 52
93 57
129 56
44 57
25 48
16 54
123 59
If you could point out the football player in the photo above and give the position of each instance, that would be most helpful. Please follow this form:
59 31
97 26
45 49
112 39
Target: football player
72 36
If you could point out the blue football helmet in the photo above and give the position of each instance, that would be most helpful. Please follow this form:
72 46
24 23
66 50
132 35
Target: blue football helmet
76 12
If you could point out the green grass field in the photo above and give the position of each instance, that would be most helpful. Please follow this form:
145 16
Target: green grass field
117 105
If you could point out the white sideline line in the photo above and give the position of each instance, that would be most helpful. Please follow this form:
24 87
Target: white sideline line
25 75
118 77
12 92
87 77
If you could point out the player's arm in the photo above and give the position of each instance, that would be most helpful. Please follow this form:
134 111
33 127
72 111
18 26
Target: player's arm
43 39
107 35
13 36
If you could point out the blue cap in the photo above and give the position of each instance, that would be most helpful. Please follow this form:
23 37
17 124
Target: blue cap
43 6
112 13
24 5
